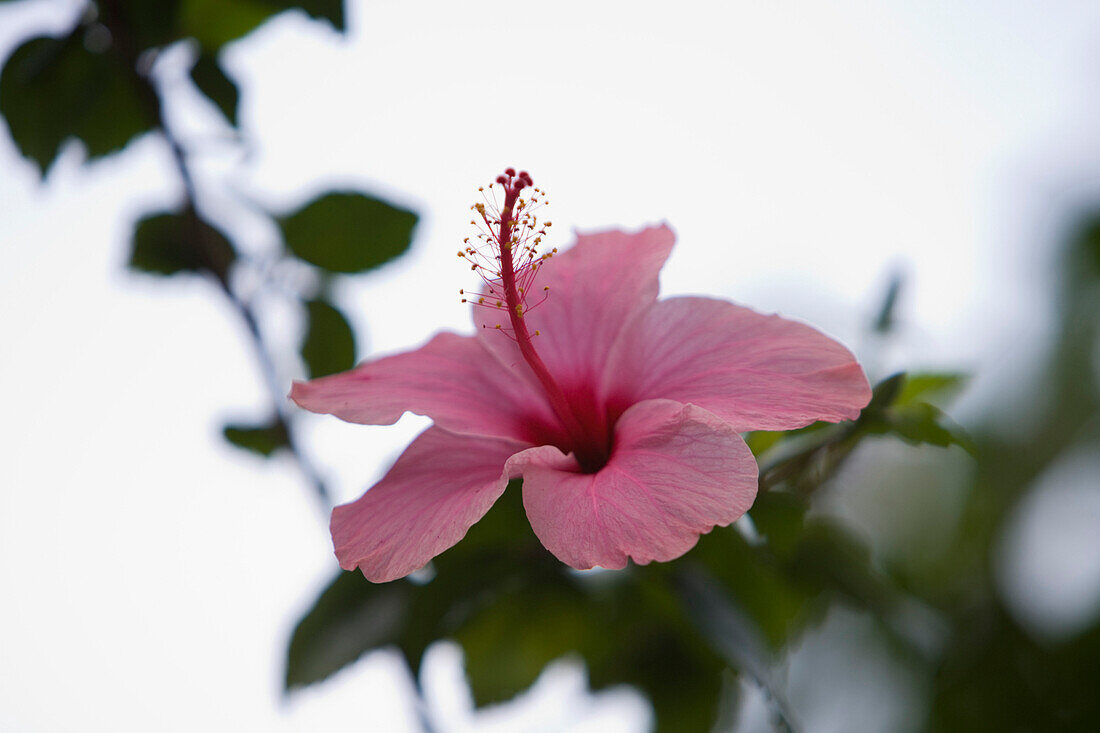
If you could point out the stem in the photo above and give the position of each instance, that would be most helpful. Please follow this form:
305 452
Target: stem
127 53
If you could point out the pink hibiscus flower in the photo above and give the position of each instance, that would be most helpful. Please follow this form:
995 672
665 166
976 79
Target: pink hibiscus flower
622 413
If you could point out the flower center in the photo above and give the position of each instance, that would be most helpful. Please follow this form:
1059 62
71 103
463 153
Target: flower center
513 234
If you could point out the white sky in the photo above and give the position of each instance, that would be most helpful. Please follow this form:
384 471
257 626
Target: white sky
800 150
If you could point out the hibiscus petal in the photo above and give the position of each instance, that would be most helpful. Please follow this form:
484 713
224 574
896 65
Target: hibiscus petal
440 486
757 372
596 287
452 379
676 471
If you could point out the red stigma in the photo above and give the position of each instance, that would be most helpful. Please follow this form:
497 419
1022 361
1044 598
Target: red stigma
514 183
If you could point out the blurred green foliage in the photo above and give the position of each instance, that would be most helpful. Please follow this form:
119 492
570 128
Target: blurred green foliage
52 89
217 22
88 84
994 674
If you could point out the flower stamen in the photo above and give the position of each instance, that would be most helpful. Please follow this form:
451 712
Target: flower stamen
525 235
508 261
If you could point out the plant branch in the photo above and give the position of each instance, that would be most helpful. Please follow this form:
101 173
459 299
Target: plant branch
126 53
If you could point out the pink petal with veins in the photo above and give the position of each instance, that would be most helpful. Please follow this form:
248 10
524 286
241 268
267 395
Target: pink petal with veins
455 380
440 486
676 472
755 371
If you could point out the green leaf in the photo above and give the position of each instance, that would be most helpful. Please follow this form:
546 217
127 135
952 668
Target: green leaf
166 244
329 346
217 22
53 89
925 423
261 439
348 232
925 385
351 617
892 412
219 88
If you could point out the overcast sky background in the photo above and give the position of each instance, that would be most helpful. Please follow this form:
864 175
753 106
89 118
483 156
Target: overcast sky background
801 151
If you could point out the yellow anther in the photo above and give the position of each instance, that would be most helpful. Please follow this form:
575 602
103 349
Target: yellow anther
537 332
497 326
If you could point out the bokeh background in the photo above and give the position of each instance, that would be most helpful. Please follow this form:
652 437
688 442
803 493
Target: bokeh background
919 180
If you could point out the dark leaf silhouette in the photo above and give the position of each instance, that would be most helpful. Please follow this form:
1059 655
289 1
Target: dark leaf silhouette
261 439
217 22
329 345
166 244
53 89
348 232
